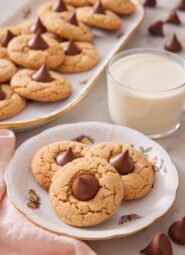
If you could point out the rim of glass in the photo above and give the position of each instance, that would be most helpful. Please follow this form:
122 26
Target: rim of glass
164 53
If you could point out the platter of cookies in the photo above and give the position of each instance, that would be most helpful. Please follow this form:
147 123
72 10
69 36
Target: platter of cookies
49 62
92 180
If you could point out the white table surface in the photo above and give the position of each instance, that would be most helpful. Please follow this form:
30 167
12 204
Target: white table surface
94 108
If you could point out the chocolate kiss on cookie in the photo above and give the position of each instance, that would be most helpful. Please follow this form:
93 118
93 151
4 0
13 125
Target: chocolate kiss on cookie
73 19
173 18
173 45
38 27
7 38
65 157
98 8
59 6
122 163
2 95
72 49
85 187
181 5
157 28
160 245
42 75
37 42
150 3
177 232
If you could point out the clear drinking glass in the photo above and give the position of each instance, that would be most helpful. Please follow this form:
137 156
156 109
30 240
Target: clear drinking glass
155 113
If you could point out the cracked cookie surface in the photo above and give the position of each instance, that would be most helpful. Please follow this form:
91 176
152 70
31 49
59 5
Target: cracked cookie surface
124 7
86 213
59 88
108 21
22 55
12 104
57 23
86 60
136 184
44 164
7 70
77 3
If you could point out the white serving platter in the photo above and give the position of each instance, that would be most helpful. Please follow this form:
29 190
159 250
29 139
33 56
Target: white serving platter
107 43
19 180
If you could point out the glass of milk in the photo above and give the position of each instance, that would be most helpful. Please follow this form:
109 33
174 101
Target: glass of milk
146 90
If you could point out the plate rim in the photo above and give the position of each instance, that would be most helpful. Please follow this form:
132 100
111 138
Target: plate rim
95 238
50 117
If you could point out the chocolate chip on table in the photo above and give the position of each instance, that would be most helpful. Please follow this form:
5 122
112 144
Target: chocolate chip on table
156 28
173 18
177 231
160 245
173 44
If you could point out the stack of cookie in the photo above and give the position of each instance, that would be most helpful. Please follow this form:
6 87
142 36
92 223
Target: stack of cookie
87 183
60 39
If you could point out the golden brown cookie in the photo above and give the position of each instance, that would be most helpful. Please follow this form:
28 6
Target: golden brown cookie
86 192
49 159
10 102
65 25
3 53
7 70
136 171
123 7
32 51
79 57
41 85
98 17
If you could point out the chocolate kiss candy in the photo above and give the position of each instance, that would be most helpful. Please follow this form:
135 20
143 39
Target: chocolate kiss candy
173 18
59 6
2 95
159 246
85 187
72 49
38 26
122 162
37 42
177 232
150 3
42 75
98 8
173 45
157 28
181 5
65 157
73 19
7 38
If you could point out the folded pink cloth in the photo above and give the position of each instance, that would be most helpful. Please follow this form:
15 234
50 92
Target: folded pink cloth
17 234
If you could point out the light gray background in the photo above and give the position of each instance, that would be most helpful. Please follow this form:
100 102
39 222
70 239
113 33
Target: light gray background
94 108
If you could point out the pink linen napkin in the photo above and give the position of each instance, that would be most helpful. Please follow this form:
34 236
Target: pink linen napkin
17 234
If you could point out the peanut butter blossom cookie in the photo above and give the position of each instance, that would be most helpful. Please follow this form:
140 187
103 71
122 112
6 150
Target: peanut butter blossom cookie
32 51
124 7
7 70
86 192
41 85
49 159
5 37
136 171
63 22
79 57
10 102
98 17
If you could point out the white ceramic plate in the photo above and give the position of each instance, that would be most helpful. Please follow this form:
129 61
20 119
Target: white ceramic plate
20 180
107 44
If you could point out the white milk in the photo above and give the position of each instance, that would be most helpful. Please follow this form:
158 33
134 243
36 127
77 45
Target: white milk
144 93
